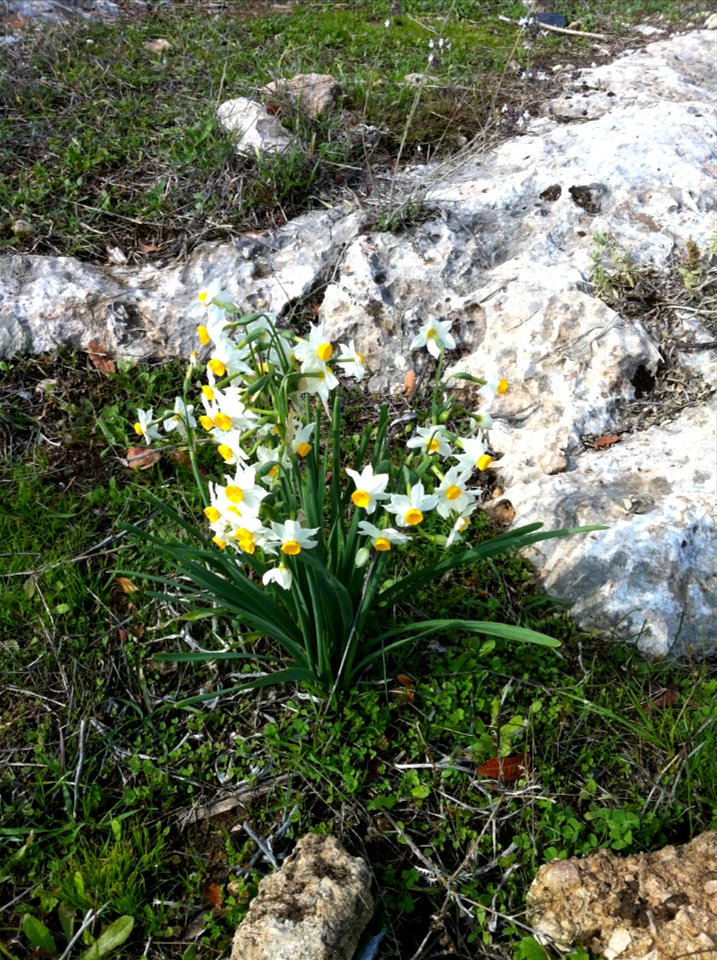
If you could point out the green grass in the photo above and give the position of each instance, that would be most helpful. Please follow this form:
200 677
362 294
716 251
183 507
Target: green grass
104 143
102 774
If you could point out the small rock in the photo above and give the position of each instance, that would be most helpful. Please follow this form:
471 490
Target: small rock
654 906
160 45
416 79
711 22
313 93
551 19
314 908
21 228
256 130
647 30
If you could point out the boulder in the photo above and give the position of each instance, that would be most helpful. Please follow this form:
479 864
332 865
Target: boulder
254 129
508 257
653 906
50 302
314 907
312 93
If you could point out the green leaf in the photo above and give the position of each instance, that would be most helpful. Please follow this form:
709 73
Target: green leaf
113 937
530 949
512 540
290 675
66 915
37 933
504 631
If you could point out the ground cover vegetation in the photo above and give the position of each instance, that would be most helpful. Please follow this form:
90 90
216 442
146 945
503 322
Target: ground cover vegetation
108 143
475 761
117 804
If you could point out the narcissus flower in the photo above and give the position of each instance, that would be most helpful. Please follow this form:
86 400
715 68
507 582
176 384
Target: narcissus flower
382 539
435 336
494 384
301 440
353 363
243 491
474 456
280 575
370 488
319 382
453 496
211 306
409 510
292 537
315 351
481 419
431 439
182 419
144 426
459 527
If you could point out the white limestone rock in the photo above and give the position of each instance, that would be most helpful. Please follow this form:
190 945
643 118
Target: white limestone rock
508 259
313 93
50 302
314 907
648 906
254 129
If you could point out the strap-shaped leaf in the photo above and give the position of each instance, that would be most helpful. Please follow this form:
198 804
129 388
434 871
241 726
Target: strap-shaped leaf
415 631
512 540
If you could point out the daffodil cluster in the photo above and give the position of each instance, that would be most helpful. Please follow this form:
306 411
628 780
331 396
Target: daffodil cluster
263 394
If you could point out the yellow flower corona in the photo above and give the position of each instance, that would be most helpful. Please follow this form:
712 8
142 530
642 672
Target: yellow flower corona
324 351
484 462
223 421
219 542
245 538
217 367
502 386
303 449
206 422
212 514
361 498
235 510
202 331
453 492
412 517
382 544
207 391
291 548
225 452
432 444
138 429
234 493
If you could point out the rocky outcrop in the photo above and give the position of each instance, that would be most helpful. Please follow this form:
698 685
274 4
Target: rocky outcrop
508 257
654 906
314 907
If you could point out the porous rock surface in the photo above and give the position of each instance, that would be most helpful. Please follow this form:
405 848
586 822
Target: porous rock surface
314 907
253 128
653 906
313 93
505 250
